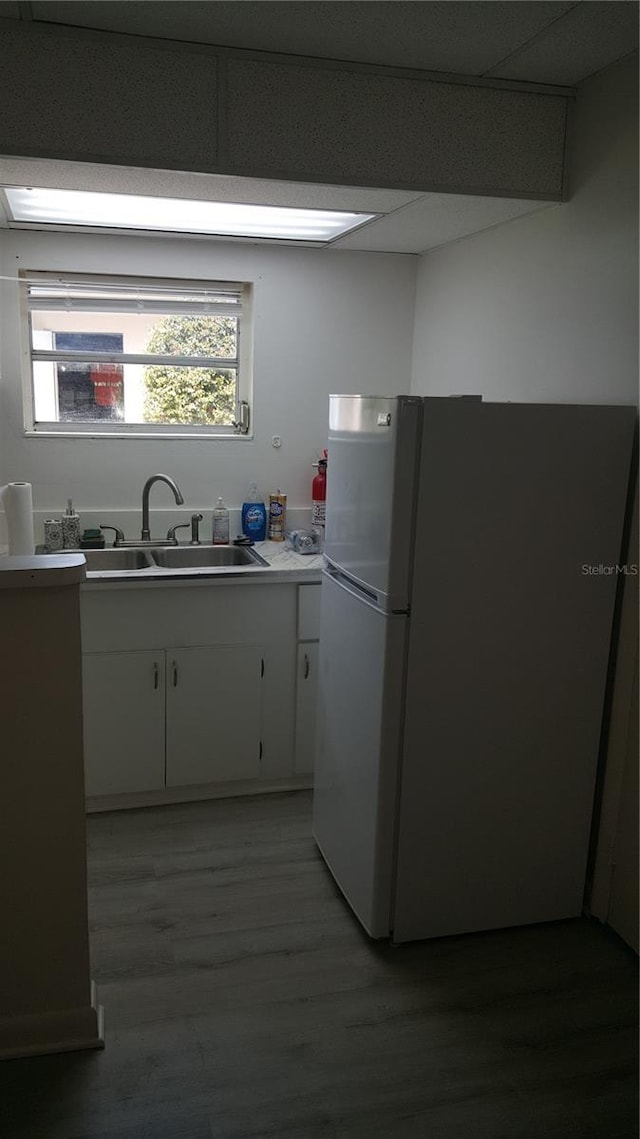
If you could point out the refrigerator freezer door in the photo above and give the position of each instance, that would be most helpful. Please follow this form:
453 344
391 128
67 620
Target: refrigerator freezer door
360 681
373 462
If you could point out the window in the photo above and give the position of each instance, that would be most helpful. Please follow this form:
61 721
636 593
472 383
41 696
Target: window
132 356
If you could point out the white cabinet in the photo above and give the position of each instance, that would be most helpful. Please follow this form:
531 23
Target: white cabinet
309 598
306 700
188 686
171 718
123 714
307 677
214 714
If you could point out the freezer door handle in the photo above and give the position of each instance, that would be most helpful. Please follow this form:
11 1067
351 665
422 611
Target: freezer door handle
368 597
381 602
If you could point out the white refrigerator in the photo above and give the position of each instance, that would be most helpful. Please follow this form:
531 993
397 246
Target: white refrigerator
467 606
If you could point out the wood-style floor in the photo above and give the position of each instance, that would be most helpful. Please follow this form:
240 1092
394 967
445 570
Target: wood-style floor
243 1000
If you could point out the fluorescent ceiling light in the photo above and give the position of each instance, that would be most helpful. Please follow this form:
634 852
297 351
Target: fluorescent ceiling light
175 215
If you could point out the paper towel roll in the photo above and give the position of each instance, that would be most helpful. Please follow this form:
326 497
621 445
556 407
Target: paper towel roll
18 508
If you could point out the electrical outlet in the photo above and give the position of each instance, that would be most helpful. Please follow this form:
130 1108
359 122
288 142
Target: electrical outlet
276 441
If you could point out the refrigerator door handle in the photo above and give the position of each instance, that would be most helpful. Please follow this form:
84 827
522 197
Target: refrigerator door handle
366 596
382 602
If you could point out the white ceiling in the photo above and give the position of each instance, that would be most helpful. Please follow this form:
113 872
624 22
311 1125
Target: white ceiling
409 222
541 41
553 42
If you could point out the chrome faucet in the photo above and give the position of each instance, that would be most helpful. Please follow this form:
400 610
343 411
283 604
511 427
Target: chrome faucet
177 494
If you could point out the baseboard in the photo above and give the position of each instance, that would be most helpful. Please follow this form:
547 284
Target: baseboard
169 795
63 1030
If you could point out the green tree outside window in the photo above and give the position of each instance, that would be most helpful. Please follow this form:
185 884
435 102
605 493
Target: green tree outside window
192 395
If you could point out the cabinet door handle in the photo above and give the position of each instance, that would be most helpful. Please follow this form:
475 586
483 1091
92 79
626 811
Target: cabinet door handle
306 666
156 674
174 670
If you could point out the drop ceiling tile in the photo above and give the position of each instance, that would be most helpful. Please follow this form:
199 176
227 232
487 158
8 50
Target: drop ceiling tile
435 35
434 220
588 38
200 187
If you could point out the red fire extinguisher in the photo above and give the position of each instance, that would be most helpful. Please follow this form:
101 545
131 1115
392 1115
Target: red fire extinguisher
319 492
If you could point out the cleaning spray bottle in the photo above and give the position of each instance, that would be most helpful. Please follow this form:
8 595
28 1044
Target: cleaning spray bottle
254 516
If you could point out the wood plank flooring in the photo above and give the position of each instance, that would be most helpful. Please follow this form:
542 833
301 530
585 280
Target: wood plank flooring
242 1001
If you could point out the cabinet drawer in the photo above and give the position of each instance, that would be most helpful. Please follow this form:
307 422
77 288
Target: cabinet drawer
309 612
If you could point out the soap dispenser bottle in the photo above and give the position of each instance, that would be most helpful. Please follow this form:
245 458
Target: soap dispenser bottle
220 524
71 528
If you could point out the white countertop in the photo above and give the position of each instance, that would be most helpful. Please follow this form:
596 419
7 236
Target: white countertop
284 559
283 566
41 570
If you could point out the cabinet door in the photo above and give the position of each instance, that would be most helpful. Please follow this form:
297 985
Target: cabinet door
213 714
123 714
306 696
309 597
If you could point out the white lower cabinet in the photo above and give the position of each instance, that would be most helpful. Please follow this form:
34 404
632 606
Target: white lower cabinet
307 677
171 718
123 714
188 689
214 714
306 700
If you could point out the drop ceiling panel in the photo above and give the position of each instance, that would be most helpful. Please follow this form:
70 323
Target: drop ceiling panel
199 187
434 220
545 41
335 125
438 36
81 98
589 37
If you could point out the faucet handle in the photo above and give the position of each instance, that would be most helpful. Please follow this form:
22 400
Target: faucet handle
119 535
171 532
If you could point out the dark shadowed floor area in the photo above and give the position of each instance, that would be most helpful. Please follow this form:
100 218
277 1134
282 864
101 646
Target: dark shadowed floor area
242 1001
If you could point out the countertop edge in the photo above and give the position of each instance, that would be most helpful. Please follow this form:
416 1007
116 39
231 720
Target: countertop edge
283 566
150 580
37 571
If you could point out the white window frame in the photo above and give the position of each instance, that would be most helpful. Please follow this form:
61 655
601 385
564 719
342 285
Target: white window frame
243 310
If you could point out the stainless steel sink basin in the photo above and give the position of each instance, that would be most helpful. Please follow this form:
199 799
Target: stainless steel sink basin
125 559
199 557
117 559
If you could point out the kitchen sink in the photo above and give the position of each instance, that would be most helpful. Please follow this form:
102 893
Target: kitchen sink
199 557
117 559
126 559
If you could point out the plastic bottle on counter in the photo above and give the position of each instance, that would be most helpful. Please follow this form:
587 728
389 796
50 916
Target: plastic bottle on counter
254 516
220 524
277 516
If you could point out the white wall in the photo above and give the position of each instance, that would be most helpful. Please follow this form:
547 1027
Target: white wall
545 308
324 321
